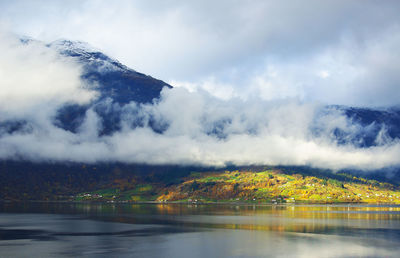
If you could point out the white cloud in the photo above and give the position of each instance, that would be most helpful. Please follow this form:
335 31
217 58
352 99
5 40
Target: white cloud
205 130
211 85
348 73
324 74
33 75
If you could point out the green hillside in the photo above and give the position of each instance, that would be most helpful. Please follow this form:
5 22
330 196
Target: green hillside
270 186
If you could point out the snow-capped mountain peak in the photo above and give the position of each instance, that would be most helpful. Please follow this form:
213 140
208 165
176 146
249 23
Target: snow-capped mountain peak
79 46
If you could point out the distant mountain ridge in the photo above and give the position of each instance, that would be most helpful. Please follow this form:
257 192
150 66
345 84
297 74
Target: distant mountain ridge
377 126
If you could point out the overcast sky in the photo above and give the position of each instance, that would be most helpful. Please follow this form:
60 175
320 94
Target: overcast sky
335 52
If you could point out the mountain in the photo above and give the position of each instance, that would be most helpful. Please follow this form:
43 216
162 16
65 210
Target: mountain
119 85
376 125
116 84
113 79
122 182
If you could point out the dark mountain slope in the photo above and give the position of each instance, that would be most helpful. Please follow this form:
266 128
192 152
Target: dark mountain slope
376 126
111 78
115 83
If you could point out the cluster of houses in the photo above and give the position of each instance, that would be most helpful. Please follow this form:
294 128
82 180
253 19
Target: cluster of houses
88 195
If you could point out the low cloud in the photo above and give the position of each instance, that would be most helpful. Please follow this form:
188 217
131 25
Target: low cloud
35 80
182 127
204 130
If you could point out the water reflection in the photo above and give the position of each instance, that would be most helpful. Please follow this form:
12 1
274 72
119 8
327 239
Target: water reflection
126 230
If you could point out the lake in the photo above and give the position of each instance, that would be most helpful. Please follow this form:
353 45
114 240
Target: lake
182 230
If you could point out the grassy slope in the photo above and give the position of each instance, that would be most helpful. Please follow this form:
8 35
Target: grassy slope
247 186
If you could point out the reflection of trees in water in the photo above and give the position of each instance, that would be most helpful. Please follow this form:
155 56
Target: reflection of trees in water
287 218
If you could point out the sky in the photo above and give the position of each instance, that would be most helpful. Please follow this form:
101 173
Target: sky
333 52
251 80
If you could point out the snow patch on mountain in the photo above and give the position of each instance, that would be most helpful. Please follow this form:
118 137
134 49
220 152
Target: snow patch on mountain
89 55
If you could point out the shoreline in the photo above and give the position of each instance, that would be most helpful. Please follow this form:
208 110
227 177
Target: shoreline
207 203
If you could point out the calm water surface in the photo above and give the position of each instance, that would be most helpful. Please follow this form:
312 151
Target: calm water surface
169 230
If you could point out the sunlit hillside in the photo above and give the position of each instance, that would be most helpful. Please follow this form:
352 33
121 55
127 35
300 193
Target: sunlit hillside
270 186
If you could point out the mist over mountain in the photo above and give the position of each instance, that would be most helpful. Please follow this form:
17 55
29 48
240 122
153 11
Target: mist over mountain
116 85
126 116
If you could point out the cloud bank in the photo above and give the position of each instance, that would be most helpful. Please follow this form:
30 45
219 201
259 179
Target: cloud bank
182 127
203 130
